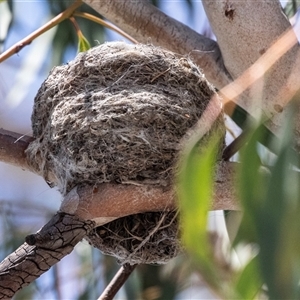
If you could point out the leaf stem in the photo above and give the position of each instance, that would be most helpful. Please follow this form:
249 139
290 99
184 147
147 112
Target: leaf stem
105 24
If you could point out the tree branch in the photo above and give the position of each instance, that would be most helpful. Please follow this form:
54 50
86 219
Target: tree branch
241 46
52 23
117 282
147 24
85 208
129 199
259 34
103 23
95 202
41 251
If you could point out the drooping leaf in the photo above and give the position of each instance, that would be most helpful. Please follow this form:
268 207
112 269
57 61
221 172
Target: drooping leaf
251 183
291 8
277 220
271 205
65 37
83 43
249 281
195 190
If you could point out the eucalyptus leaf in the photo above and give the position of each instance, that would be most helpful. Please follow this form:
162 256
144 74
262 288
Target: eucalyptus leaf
249 281
195 190
291 8
251 181
83 43
277 221
271 203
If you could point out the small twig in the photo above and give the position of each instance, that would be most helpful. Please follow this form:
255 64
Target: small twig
27 40
151 233
117 282
76 26
105 24
235 146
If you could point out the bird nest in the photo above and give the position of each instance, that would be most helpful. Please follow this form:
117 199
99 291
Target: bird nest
117 113
141 238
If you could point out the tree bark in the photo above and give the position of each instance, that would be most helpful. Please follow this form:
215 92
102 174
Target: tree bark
147 24
12 148
41 251
128 199
244 33
108 201
82 209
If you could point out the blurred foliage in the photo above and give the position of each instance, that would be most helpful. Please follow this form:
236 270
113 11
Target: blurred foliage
270 198
195 195
291 8
271 202
195 191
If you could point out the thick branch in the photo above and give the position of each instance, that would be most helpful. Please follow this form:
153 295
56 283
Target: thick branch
83 209
108 201
12 148
245 33
42 250
147 24
91 203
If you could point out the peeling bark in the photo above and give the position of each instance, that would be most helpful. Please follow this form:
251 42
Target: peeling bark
41 251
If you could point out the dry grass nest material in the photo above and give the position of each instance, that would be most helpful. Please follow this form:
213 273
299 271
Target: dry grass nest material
141 238
117 113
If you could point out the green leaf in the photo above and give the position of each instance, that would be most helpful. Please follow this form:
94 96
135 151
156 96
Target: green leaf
243 119
66 37
291 8
271 205
249 280
251 183
277 220
195 190
83 44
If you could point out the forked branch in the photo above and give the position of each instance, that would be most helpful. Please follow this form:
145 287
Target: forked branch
147 24
52 23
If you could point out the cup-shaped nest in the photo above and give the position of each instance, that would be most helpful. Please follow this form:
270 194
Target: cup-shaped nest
117 113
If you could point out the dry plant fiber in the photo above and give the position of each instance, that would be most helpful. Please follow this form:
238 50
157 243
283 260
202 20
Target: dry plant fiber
117 113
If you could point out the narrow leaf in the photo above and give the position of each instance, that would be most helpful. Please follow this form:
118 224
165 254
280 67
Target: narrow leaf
249 280
83 44
195 190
